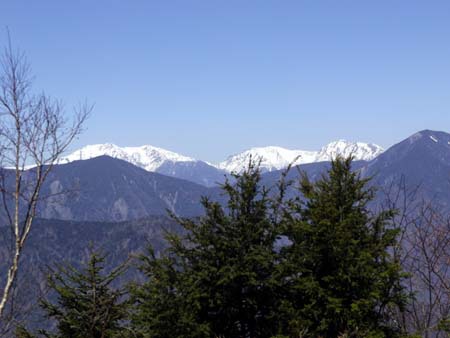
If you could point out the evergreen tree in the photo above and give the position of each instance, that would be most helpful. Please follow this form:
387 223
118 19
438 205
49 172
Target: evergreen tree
87 305
339 276
217 279
163 305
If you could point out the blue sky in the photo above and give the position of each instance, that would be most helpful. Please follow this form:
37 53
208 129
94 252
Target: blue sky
210 78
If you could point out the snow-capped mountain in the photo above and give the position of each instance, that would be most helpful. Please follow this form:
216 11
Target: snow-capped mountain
272 158
275 158
147 157
154 159
359 150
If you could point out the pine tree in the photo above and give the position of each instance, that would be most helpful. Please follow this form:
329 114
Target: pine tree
339 275
163 305
217 279
87 305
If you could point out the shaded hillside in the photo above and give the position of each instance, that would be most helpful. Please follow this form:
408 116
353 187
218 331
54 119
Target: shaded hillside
107 189
422 160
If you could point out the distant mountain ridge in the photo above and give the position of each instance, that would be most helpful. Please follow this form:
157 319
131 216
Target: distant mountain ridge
276 158
153 159
169 163
110 189
146 157
271 158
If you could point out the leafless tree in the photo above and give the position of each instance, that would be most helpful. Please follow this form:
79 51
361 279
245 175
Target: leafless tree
34 133
424 253
425 258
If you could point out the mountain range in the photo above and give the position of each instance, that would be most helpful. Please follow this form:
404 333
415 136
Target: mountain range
104 188
154 159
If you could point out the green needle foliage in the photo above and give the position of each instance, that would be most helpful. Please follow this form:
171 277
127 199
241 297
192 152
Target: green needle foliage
217 279
86 306
338 274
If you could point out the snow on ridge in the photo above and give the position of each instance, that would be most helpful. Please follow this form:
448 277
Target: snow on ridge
275 158
359 150
147 157
434 139
272 158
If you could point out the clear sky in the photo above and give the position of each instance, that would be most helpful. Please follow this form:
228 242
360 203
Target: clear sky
210 78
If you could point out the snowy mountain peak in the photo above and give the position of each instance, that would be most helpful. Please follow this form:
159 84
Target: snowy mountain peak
272 158
147 157
359 150
275 158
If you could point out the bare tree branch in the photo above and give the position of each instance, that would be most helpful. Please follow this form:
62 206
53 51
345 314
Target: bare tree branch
34 133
